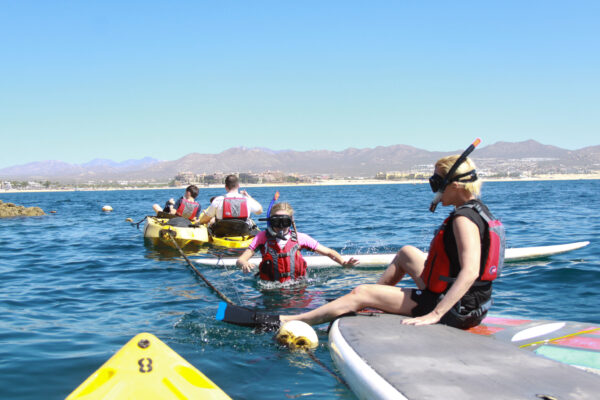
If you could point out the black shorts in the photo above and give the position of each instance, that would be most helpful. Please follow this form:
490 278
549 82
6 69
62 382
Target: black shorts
426 301
459 316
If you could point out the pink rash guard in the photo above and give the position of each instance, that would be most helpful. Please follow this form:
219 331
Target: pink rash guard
304 241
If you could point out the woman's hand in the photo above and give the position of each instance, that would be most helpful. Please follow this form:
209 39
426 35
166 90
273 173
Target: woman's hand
427 319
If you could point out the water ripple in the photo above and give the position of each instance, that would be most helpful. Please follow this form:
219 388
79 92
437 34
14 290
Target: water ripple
78 284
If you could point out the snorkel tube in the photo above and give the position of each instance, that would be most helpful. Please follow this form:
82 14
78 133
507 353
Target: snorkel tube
275 198
438 195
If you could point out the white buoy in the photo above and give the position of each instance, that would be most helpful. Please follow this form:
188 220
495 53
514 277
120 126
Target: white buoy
107 208
297 335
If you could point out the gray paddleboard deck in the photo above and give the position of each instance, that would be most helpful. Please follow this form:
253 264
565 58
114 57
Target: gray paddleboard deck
382 359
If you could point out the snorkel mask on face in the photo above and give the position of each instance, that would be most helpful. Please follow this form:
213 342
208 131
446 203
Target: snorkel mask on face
280 221
276 221
438 183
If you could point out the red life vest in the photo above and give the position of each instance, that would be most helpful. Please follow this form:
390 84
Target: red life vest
187 209
235 207
281 264
438 272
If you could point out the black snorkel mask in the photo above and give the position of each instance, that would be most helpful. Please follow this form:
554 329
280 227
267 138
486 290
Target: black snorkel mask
277 221
438 183
280 222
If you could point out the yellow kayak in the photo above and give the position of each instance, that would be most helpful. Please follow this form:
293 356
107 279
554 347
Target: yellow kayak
232 242
146 368
241 233
158 230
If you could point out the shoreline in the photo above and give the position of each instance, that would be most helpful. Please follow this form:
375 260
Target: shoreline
326 182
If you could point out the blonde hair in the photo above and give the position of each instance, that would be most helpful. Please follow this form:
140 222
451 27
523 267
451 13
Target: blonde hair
445 163
282 207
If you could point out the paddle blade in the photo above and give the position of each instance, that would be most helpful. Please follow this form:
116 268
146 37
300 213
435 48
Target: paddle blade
236 315
242 316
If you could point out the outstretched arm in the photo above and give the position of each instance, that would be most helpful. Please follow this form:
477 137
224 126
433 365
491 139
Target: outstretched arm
207 215
335 256
204 219
258 206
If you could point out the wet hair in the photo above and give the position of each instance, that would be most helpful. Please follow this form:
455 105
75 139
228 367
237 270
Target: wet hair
282 207
231 182
445 163
193 189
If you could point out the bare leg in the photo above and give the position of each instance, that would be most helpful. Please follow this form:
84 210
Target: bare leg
157 208
382 297
409 260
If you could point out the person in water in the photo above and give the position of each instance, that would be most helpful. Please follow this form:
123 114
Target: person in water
185 207
280 247
454 281
232 211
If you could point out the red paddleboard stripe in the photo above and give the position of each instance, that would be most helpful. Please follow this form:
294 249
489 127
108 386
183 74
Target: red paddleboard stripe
594 332
485 330
579 342
505 321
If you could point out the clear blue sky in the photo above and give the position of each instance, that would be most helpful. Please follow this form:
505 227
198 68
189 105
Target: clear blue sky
128 79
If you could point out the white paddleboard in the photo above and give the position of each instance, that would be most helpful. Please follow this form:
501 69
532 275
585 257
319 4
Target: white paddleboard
379 260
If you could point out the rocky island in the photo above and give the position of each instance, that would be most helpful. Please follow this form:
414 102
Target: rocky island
8 210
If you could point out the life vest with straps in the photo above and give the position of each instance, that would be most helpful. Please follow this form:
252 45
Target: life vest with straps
235 208
439 272
187 209
281 264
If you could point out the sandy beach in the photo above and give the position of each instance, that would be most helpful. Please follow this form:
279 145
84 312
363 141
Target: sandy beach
326 182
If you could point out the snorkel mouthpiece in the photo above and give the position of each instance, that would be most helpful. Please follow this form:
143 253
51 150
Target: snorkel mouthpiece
436 199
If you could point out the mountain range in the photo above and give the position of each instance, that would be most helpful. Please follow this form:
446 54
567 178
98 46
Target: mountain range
350 162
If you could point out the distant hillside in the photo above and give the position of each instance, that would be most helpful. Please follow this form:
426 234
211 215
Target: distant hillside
350 162
355 162
526 149
58 170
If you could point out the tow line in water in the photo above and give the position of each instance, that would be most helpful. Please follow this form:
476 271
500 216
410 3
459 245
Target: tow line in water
302 338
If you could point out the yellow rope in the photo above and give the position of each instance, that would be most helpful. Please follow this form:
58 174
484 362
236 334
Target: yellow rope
558 338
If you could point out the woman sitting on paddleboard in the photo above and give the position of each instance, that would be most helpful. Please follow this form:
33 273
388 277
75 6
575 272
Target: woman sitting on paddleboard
280 248
454 282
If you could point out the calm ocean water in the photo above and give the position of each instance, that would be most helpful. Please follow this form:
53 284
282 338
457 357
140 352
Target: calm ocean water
78 284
